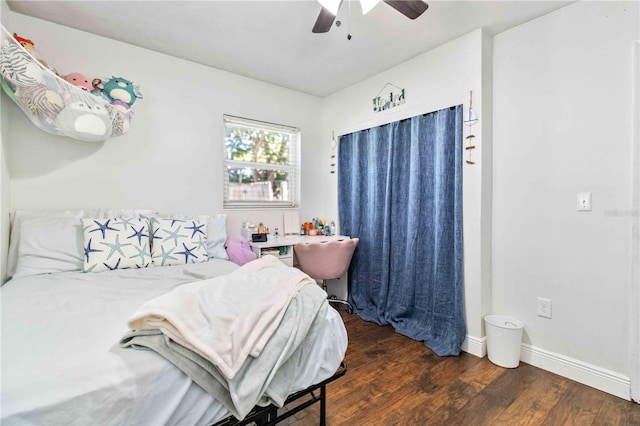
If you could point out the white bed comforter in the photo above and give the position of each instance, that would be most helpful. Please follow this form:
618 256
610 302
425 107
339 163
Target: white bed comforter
227 318
62 363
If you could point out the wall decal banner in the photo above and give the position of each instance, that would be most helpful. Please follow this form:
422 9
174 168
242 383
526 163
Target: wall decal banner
389 96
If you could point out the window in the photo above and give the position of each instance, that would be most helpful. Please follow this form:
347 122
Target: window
261 164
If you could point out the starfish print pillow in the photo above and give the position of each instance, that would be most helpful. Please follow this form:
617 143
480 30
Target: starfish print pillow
178 241
116 243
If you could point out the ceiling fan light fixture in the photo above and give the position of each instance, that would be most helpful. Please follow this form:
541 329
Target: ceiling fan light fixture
367 5
331 5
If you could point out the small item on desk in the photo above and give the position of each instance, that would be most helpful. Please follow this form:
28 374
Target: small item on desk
247 229
259 238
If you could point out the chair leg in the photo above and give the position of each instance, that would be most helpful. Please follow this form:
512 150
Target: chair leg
333 298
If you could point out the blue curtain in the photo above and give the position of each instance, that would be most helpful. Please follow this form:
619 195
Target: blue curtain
400 192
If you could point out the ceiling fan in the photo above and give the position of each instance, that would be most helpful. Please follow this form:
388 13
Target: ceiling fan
409 8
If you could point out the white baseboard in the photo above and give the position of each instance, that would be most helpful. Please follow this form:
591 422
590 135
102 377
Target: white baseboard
591 375
475 346
581 372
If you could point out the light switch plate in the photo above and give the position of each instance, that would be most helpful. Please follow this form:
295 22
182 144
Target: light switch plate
584 201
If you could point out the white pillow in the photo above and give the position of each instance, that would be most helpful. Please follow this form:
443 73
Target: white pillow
217 237
21 217
49 244
178 241
216 232
115 243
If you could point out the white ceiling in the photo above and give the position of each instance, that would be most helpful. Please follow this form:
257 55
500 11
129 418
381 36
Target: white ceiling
272 40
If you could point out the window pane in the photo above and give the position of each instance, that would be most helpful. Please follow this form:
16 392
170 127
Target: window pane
252 184
261 165
256 145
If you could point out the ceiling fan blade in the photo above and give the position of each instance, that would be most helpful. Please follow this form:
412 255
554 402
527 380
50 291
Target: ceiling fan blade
324 22
409 8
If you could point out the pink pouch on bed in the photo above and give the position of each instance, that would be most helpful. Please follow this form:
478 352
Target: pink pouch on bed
239 250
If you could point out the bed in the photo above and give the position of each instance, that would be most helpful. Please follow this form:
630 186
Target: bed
62 357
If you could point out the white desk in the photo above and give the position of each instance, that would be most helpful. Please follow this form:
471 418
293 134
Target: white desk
282 247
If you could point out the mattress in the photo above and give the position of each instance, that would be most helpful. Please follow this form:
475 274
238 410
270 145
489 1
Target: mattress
62 363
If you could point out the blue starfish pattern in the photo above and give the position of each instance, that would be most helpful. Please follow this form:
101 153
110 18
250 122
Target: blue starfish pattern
187 253
102 227
114 267
88 250
195 228
173 221
174 235
142 252
165 255
202 242
138 233
116 247
153 235
125 222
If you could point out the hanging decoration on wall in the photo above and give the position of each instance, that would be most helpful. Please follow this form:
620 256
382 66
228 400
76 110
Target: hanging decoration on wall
469 121
71 105
386 98
333 152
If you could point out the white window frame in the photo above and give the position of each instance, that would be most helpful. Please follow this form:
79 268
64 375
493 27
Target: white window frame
292 169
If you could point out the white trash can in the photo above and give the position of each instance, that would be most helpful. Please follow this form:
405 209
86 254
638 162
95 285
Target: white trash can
504 337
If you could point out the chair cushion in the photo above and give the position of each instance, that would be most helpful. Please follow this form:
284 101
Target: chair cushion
325 260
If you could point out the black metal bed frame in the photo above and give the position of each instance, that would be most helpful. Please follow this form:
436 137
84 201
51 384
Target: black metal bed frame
268 416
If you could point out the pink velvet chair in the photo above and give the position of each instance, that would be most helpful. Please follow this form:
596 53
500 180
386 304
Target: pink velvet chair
326 260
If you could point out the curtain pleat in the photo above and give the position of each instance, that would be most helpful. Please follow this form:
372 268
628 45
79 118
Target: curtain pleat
400 192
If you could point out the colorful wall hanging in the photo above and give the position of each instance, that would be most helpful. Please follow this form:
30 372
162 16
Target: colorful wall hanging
387 98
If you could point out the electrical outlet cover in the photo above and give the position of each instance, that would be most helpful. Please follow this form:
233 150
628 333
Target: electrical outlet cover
544 307
584 201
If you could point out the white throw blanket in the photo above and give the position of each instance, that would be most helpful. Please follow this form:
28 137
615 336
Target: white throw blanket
227 318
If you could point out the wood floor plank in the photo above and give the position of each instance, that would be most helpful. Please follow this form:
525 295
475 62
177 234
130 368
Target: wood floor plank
481 374
493 400
578 406
535 401
393 380
616 411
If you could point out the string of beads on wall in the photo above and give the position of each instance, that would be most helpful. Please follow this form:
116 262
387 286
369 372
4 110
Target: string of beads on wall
469 121
333 152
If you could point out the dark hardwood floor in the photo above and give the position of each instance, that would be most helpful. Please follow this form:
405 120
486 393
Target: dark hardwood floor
393 380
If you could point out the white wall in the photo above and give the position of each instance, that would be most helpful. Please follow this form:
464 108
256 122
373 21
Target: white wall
561 104
434 80
5 206
171 159
634 299
563 125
